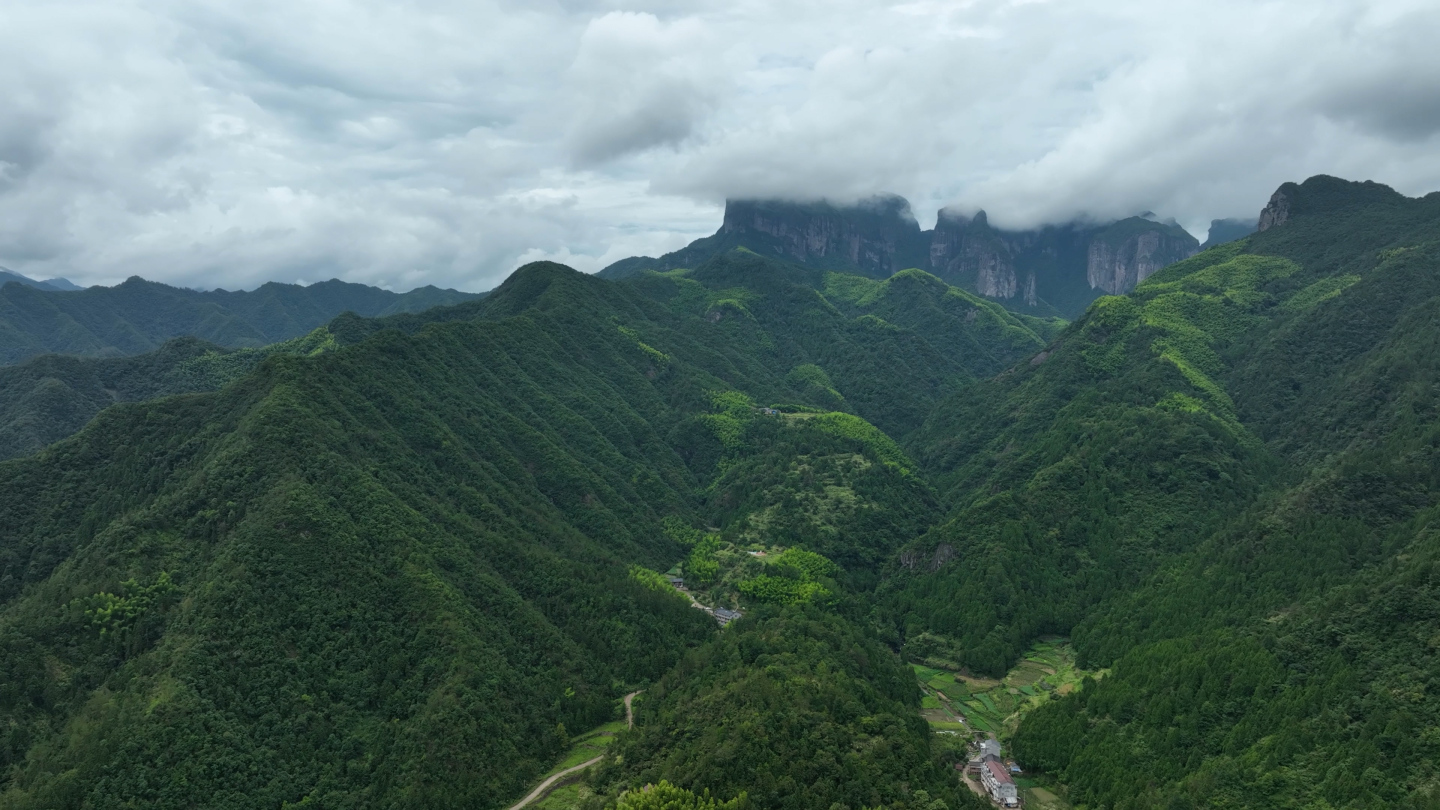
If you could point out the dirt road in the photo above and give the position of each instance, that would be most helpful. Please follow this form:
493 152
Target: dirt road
629 712
545 787
540 792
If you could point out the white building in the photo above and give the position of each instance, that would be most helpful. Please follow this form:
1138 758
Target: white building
999 784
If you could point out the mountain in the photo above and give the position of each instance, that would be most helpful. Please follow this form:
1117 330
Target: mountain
416 568
394 573
1224 487
1051 270
49 397
56 284
1228 230
138 316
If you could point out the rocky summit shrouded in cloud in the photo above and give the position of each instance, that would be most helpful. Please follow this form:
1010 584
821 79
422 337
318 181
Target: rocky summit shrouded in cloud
202 145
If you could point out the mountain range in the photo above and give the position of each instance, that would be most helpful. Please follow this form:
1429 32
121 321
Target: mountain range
138 315
412 560
1053 270
56 284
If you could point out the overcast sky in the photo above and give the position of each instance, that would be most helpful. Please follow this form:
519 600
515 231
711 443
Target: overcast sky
399 144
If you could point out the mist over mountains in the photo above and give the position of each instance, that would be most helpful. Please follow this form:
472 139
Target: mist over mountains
1051 270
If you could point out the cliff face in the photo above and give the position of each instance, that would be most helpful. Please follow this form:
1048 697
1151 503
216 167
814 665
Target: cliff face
1066 266
1126 253
1277 211
1051 270
878 236
967 252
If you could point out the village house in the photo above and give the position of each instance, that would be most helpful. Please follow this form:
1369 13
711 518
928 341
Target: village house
724 616
998 784
989 749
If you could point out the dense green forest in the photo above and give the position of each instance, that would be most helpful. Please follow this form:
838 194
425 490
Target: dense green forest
1224 486
399 561
138 316
299 585
49 397
794 708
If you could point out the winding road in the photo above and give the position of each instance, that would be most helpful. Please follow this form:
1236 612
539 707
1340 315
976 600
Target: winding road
549 784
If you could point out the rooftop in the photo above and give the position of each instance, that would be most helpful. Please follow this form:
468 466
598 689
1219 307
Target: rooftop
997 771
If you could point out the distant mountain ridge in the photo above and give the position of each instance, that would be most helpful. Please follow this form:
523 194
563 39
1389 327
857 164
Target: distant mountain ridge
56 284
1050 270
139 316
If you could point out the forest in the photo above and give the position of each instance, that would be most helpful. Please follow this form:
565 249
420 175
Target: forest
398 558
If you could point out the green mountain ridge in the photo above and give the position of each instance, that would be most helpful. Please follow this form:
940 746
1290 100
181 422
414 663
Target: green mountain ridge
1220 471
139 316
402 571
289 588
50 397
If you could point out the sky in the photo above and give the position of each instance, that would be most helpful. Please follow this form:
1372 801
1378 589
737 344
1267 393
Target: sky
208 144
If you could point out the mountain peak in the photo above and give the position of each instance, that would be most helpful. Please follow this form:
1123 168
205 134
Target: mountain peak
1322 194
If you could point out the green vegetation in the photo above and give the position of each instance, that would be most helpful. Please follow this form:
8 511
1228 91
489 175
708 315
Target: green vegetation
794 707
441 528
395 563
139 316
1222 486
48 398
977 704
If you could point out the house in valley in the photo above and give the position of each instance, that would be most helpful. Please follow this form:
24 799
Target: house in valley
995 777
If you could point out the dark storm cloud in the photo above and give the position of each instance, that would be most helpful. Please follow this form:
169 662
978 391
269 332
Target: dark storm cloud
221 144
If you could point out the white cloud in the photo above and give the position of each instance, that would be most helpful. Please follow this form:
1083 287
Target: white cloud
213 144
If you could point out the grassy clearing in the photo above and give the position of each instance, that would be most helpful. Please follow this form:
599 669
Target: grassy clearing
589 745
995 706
1039 794
568 797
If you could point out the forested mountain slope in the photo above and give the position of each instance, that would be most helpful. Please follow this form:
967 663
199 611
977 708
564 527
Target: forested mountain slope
383 575
49 397
398 572
138 316
797 708
1225 484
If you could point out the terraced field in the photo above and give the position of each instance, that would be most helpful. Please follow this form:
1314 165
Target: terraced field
956 702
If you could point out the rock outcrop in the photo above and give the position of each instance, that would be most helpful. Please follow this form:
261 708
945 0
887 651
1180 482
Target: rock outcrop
878 236
1052 270
1277 211
1126 254
1066 266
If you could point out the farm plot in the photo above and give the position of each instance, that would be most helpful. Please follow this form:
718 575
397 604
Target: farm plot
995 707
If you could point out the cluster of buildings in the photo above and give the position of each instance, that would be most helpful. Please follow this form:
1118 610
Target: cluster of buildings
994 774
722 615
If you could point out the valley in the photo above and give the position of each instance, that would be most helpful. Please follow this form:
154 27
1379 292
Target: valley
1179 552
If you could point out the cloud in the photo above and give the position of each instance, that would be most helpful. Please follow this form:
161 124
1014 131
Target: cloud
444 142
637 84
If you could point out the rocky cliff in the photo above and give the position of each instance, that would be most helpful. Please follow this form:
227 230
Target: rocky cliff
1277 211
878 236
1051 270
1126 253
1066 266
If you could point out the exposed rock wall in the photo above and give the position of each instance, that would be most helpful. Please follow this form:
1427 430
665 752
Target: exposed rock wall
1058 269
878 236
1277 211
1117 267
